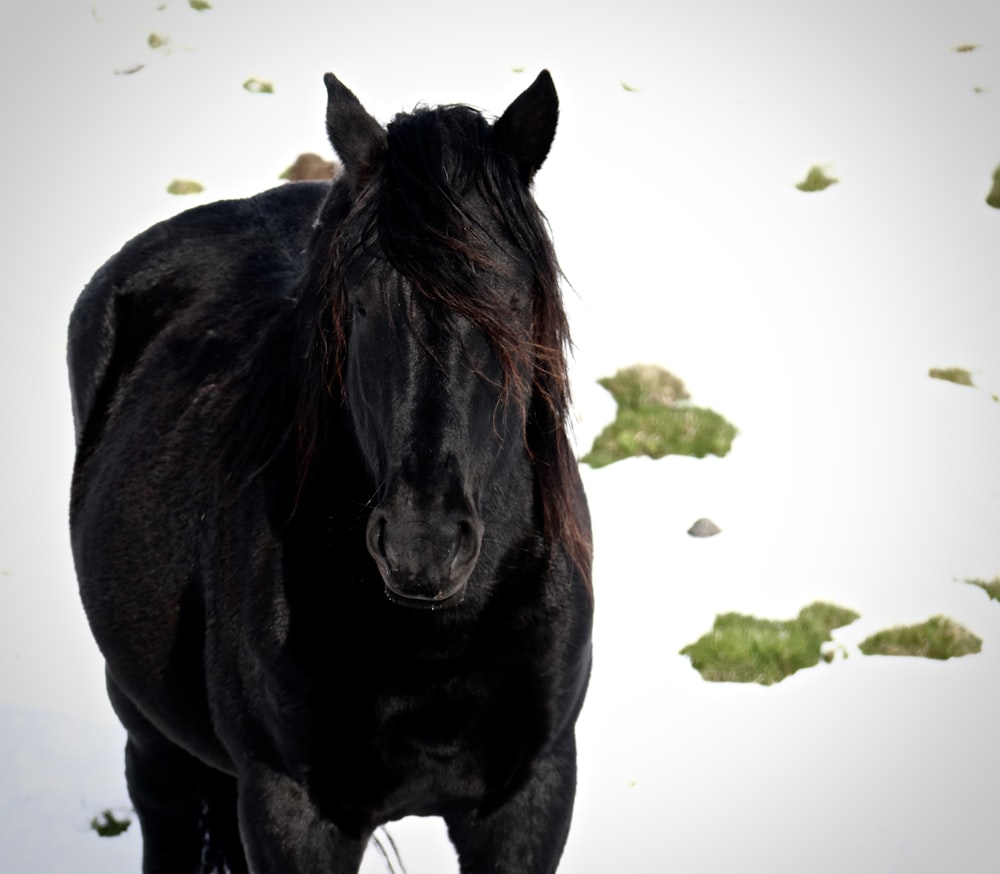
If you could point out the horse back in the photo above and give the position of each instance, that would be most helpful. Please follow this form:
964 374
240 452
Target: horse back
228 248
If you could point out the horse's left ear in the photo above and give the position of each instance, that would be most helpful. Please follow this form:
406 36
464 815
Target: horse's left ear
356 137
526 130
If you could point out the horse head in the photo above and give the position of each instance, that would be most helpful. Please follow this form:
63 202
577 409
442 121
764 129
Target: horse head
442 269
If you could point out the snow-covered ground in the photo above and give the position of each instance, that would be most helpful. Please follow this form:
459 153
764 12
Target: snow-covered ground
808 320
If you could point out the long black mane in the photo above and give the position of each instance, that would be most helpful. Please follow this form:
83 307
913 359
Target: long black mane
412 216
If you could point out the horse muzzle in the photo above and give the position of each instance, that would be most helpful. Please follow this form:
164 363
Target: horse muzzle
424 562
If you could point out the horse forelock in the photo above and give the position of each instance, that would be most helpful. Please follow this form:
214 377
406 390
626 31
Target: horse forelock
443 211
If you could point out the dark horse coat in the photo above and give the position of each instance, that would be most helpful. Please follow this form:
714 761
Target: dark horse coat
329 532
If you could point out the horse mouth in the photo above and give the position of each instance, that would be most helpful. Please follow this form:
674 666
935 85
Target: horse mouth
443 601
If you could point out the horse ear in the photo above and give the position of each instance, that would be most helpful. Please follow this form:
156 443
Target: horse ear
356 137
526 130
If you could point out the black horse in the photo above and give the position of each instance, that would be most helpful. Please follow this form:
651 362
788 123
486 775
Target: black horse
329 530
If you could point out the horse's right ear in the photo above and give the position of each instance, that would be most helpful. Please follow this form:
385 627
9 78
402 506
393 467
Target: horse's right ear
356 137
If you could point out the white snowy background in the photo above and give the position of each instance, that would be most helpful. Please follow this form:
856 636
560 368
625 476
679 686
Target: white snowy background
808 320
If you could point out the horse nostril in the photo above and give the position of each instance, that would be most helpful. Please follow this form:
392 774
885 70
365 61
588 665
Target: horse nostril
375 537
466 550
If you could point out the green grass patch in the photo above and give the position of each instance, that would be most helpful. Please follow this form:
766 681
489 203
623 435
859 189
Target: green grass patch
185 186
993 198
258 86
745 649
957 375
107 825
937 638
991 587
816 180
655 419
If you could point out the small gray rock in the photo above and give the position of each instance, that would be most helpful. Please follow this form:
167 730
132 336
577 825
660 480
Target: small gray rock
704 528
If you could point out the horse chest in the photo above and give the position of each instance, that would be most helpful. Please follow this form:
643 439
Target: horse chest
416 742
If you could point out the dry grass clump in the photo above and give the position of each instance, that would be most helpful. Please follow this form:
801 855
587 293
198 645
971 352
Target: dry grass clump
937 638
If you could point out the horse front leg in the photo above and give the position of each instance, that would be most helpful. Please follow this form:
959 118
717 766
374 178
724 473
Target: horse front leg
526 835
283 831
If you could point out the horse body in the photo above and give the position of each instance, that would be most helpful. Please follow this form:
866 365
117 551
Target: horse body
328 533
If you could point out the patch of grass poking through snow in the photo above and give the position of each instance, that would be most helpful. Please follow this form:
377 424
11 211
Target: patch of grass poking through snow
185 186
993 198
957 375
937 638
816 180
745 649
109 826
655 419
991 587
258 86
